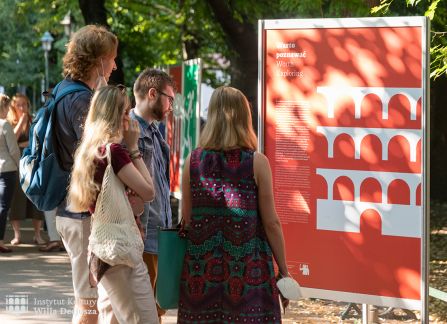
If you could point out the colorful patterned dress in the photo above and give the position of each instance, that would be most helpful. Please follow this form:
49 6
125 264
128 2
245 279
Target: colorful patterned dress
228 274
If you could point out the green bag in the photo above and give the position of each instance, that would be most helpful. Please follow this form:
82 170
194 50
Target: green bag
171 252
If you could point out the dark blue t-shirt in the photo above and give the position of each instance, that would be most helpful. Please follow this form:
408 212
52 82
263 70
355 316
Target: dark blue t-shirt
70 114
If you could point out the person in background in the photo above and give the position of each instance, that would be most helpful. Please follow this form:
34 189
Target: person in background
55 243
154 97
88 61
20 119
230 221
9 164
108 124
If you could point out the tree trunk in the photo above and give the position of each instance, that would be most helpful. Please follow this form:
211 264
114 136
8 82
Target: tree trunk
94 12
243 40
190 45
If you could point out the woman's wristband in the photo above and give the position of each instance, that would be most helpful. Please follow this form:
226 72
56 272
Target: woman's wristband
132 152
136 156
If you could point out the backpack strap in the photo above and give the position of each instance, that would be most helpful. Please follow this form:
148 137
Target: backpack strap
74 87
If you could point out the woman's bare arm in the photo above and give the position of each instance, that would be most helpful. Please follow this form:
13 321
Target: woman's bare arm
266 202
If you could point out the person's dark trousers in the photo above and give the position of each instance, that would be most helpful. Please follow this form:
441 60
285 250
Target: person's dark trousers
7 188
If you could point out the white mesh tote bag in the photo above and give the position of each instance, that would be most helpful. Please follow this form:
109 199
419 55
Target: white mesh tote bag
114 232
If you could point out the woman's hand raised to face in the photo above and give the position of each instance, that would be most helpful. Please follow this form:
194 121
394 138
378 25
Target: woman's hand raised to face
22 125
24 109
23 119
131 134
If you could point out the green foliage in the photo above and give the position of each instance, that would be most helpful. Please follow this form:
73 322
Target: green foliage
413 2
436 11
351 8
326 8
383 7
157 33
202 37
430 13
147 34
439 60
22 24
16 68
304 8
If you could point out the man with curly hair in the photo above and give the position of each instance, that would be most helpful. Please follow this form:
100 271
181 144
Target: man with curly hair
89 61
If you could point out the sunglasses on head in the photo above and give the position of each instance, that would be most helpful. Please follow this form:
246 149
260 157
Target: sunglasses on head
121 87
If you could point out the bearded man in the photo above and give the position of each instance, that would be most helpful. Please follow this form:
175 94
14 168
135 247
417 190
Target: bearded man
154 97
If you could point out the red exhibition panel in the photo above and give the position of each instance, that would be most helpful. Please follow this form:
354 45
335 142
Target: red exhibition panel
343 131
174 130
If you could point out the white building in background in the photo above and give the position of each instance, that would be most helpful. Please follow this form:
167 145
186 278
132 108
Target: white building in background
206 92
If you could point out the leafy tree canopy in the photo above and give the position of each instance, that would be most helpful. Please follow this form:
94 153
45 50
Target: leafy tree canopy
156 33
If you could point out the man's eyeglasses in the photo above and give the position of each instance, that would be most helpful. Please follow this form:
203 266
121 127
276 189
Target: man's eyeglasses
170 98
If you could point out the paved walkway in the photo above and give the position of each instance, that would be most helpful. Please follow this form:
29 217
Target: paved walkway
36 287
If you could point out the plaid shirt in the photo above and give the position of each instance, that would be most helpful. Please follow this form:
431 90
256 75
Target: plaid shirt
155 153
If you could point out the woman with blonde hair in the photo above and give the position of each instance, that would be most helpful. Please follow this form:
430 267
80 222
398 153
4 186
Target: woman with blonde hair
20 118
127 286
9 164
233 229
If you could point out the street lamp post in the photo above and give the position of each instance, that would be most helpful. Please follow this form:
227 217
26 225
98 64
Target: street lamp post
46 40
67 23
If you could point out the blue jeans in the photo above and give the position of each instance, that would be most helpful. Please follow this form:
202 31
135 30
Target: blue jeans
7 188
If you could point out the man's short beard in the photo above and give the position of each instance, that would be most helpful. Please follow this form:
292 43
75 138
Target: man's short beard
157 110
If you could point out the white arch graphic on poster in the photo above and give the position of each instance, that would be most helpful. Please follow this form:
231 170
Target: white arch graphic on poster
385 135
359 93
397 220
413 180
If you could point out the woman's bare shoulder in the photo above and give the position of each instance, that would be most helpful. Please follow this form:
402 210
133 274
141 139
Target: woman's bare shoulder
260 159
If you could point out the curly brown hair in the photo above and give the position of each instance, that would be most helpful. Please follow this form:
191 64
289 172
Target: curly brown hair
85 48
